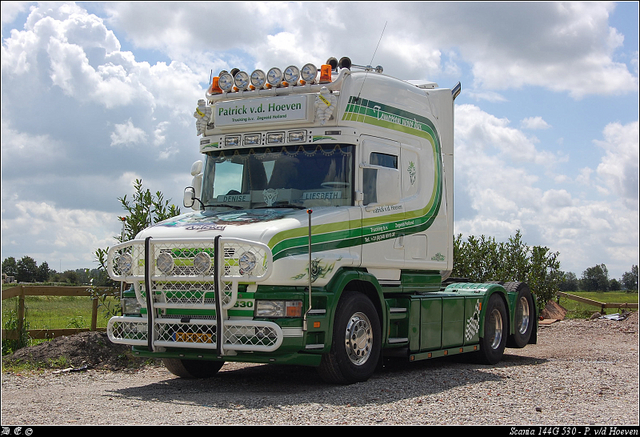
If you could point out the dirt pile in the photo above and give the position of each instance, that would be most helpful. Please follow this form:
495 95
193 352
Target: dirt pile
90 349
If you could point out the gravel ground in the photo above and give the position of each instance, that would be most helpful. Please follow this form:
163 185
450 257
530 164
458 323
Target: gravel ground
581 372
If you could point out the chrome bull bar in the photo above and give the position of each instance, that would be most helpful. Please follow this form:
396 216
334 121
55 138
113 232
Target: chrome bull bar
186 274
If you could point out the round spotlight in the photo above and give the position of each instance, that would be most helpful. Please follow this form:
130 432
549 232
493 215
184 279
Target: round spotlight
258 79
241 80
225 82
291 74
274 76
165 263
202 262
125 263
309 73
247 263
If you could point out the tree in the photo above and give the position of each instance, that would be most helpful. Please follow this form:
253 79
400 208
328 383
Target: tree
9 266
483 259
42 273
144 210
629 279
27 269
569 282
595 278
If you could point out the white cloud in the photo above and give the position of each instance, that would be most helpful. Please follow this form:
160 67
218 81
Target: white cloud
534 123
127 134
69 236
619 167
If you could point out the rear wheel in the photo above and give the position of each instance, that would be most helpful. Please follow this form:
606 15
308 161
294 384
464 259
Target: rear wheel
523 317
355 348
192 369
494 338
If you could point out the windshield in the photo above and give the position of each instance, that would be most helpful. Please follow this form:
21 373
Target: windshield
289 176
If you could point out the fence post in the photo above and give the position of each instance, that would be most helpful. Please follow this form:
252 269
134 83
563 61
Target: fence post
94 313
21 316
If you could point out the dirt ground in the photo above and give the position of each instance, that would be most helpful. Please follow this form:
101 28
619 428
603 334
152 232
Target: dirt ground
86 350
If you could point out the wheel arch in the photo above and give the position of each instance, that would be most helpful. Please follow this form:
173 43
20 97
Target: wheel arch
361 282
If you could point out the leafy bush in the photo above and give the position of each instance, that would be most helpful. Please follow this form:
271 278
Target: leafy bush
482 259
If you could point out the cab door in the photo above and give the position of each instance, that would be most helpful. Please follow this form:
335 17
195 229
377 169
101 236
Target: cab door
380 179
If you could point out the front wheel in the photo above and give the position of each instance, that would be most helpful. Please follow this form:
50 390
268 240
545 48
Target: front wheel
192 369
495 331
356 344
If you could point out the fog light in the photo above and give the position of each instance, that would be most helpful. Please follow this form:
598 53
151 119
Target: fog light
247 263
202 262
165 263
125 263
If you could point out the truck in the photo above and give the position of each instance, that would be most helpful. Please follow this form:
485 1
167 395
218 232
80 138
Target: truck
319 233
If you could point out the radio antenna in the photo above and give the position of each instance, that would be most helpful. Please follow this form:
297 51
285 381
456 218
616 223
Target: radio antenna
371 63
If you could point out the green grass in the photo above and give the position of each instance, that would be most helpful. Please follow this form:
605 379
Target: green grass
579 310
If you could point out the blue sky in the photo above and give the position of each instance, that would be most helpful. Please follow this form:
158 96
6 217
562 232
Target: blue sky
95 95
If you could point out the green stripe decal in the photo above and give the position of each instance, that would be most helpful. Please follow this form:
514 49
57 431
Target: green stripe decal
357 232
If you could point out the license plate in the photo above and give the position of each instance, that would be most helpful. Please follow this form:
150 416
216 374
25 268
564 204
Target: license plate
193 337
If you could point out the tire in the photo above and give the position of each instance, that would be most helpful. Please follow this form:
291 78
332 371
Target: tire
494 338
524 315
192 369
356 344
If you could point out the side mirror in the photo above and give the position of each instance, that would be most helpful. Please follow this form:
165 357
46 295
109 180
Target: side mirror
189 198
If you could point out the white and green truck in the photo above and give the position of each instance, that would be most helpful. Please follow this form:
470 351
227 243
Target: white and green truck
321 234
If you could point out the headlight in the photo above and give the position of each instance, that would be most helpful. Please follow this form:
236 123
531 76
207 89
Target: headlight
279 308
274 76
241 80
291 74
125 263
309 73
247 262
202 262
130 305
165 263
225 81
258 79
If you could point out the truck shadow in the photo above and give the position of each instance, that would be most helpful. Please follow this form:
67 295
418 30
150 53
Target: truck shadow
263 386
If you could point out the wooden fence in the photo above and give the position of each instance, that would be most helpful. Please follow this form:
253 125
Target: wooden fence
602 305
21 291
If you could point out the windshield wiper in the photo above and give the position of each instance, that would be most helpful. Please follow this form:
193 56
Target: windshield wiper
223 205
282 205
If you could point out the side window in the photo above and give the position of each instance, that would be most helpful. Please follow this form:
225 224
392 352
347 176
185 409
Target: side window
369 175
383 160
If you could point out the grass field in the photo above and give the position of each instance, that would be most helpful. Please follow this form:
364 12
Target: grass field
578 310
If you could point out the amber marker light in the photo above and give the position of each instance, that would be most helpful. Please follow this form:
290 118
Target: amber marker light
325 73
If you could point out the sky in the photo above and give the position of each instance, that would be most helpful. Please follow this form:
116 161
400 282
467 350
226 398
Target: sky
96 95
